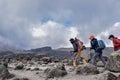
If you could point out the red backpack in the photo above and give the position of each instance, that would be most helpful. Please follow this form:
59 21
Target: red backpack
79 43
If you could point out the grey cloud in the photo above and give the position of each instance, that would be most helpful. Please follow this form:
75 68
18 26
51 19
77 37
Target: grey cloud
89 16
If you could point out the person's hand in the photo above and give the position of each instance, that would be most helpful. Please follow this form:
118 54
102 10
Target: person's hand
84 47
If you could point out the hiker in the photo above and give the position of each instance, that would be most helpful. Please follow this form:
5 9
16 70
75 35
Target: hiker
98 51
116 42
77 45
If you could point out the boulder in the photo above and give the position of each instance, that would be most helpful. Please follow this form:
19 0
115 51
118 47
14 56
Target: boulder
100 64
65 61
20 79
27 69
106 76
105 58
87 69
113 63
56 60
51 64
61 66
46 71
118 78
55 72
70 62
101 69
4 73
46 60
19 66
5 64
34 69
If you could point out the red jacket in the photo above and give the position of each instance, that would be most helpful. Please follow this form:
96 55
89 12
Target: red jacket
116 43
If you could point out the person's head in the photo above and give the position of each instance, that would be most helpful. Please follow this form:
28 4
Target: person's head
111 37
91 37
71 40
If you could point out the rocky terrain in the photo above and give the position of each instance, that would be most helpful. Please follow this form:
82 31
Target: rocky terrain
48 67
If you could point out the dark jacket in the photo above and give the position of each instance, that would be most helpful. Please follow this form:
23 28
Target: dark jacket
75 46
94 45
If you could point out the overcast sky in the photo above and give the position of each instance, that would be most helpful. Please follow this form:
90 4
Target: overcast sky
38 23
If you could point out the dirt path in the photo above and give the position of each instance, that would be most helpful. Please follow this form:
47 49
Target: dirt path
31 75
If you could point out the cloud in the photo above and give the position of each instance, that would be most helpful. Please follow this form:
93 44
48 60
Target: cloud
31 24
52 34
112 30
37 32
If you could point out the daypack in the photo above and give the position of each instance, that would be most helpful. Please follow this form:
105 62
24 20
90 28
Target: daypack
101 44
80 44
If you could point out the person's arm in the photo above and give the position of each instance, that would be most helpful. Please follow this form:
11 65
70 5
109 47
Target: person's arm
91 46
75 46
94 44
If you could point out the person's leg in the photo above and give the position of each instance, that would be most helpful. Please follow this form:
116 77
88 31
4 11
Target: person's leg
75 60
78 56
92 52
94 58
101 58
83 60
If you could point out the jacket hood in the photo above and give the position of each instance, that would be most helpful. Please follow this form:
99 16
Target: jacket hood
115 37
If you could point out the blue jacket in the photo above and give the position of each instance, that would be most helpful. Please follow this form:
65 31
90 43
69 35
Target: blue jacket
94 45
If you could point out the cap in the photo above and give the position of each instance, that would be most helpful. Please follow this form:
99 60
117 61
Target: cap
110 36
71 39
91 37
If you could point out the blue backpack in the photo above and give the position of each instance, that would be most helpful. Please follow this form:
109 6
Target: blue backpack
101 44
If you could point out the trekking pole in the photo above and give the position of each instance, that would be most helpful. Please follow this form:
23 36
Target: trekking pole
88 56
71 53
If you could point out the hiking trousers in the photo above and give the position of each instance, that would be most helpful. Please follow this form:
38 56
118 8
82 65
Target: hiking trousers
76 56
99 55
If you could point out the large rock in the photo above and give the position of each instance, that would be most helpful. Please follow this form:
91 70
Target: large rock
100 64
106 76
55 72
113 63
4 73
105 58
19 66
70 62
118 77
20 79
87 69
46 60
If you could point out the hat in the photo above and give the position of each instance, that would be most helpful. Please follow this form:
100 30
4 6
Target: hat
71 39
91 37
110 36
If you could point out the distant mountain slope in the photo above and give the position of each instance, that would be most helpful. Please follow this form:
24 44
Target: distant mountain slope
65 52
50 52
7 47
61 52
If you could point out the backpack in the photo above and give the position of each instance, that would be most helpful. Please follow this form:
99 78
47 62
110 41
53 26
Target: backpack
80 44
101 44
